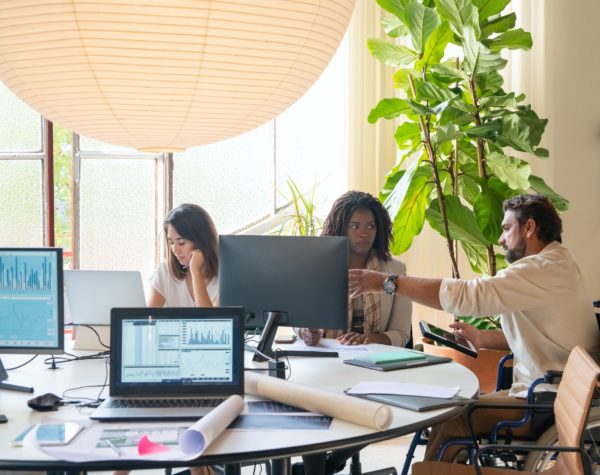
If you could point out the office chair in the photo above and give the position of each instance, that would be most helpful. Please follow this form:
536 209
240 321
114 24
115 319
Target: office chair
571 407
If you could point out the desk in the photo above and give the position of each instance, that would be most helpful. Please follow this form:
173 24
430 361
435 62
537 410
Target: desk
232 447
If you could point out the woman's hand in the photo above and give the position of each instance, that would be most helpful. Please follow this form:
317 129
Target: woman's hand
468 332
362 281
196 261
353 338
311 336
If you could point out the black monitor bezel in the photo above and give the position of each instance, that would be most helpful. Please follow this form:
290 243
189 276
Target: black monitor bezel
55 350
158 390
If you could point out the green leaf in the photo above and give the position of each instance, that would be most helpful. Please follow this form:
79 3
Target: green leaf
401 78
407 132
479 59
421 22
445 133
498 25
488 83
489 130
394 27
461 221
540 186
388 109
487 8
505 100
468 188
510 170
488 213
391 54
522 130
477 257
435 46
459 14
429 91
445 73
456 116
513 39
419 109
542 152
391 180
406 205
394 6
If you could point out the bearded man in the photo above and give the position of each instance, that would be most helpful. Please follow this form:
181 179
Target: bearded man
541 299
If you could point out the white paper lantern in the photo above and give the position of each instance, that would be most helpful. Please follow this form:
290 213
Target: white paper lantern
165 75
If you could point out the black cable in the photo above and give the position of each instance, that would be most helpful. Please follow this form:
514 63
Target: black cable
93 329
21 365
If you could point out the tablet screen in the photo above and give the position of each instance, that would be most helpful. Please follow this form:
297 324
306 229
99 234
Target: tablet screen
447 338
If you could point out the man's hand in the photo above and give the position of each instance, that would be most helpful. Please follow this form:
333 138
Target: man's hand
468 332
362 281
311 336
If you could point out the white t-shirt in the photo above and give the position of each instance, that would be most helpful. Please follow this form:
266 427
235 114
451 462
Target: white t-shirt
544 307
176 292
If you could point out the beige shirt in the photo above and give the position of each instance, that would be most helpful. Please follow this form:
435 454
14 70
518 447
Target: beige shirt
544 307
176 292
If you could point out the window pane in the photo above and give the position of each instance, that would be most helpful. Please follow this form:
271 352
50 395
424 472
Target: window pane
311 135
20 126
21 213
232 179
118 216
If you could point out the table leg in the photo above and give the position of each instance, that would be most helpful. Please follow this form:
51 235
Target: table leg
281 466
233 469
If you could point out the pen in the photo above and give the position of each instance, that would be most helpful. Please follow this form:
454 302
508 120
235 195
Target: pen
113 446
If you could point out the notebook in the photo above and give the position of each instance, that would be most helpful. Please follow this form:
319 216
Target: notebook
416 403
173 363
92 293
399 359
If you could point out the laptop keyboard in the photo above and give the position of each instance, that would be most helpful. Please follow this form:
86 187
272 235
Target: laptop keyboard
160 403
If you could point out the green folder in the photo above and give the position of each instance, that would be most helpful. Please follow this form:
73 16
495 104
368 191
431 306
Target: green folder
392 357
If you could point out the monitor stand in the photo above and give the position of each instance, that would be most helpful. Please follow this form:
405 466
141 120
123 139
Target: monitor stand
8 386
267 337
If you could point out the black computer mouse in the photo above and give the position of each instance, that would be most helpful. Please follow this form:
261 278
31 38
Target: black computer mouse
45 402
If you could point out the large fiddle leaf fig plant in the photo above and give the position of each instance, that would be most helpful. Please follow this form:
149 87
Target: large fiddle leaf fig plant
458 128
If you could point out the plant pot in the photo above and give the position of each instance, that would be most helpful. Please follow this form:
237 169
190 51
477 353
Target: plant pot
485 366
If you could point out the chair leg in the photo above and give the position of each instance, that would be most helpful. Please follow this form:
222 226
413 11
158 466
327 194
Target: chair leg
411 452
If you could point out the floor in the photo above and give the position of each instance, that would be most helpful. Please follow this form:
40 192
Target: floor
384 454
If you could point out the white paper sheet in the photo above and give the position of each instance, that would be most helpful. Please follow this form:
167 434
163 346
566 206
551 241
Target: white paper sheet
404 389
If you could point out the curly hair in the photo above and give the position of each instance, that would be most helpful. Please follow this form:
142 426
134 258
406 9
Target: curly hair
336 222
193 223
541 210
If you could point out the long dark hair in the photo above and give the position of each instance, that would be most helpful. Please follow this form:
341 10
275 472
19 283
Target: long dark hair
541 210
193 223
336 222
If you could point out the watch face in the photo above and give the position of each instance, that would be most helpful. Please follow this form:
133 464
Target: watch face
389 285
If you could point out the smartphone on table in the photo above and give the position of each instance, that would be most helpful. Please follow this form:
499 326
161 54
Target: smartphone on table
61 433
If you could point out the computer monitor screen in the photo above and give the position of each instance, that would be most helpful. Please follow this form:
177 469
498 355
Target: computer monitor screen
31 301
303 279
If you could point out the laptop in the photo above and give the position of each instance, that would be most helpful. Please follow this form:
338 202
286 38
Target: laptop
173 363
92 293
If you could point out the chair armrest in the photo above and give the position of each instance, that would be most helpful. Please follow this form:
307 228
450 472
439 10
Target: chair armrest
587 460
552 377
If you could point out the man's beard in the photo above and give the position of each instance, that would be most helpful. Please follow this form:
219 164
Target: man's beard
513 255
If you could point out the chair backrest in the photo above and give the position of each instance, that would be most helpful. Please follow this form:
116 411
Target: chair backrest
572 405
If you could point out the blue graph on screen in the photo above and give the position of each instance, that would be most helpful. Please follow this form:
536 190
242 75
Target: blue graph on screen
21 274
28 299
207 333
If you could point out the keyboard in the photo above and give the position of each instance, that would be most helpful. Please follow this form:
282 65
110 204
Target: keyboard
145 403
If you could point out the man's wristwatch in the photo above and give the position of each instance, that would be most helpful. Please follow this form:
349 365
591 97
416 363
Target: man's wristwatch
389 284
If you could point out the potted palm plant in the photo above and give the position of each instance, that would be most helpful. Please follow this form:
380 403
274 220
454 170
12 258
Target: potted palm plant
460 131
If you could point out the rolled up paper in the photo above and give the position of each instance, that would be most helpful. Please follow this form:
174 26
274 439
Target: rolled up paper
199 436
351 409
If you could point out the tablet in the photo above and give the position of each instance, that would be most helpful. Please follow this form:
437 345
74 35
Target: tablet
447 338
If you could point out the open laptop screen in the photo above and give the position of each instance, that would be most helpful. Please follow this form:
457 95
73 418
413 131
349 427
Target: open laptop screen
175 351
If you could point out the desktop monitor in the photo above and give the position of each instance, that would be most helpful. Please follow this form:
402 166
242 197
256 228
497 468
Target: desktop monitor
31 304
285 281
